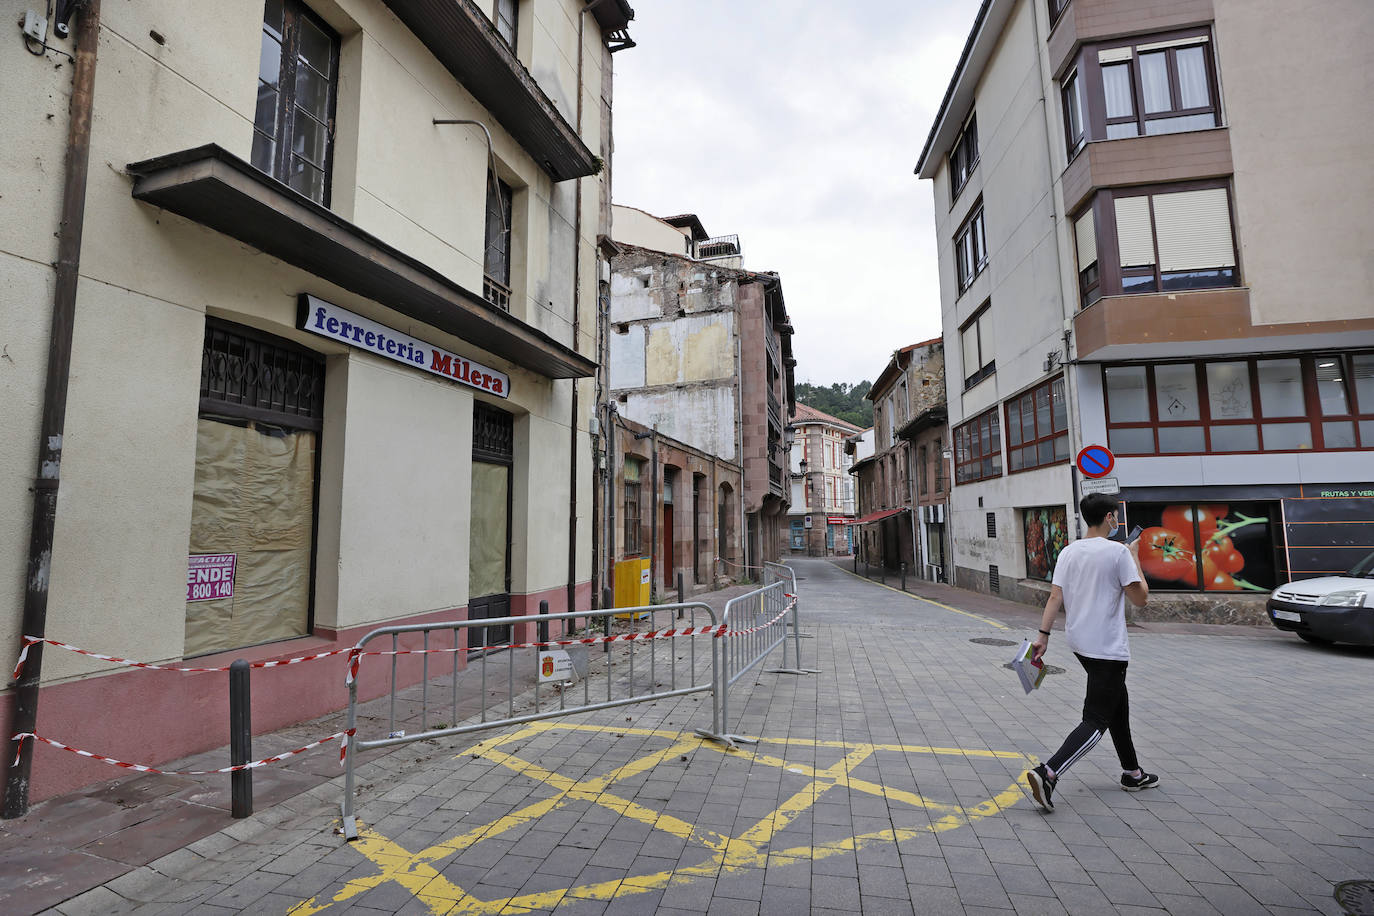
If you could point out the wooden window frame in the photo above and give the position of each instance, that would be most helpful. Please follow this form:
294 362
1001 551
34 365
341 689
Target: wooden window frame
963 157
1357 413
1050 436
969 451
285 112
973 228
989 366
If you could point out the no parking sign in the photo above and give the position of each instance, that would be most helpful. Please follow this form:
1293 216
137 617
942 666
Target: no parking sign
1095 460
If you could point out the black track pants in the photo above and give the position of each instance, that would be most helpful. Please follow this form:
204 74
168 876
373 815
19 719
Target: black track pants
1106 709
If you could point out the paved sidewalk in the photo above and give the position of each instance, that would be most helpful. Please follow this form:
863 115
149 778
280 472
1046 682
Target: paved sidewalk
888 783
71 843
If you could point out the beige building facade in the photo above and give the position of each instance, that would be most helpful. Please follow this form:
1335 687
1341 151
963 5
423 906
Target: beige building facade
1147 244
823 508
331 359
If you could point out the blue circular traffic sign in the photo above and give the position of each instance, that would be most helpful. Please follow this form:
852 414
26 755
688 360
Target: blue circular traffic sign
1095 460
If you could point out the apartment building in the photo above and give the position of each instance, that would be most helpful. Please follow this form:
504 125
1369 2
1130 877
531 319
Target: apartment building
1152 239
822 513
329 273
699 350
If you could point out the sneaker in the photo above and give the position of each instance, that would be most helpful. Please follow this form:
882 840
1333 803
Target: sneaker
1042 787
1146 781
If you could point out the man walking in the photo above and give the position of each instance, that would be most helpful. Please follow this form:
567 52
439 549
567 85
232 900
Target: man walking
1093 577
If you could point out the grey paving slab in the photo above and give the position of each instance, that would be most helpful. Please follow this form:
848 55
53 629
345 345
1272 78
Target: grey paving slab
1258 811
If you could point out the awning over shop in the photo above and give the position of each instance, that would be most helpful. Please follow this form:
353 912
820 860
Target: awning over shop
879 515
208 185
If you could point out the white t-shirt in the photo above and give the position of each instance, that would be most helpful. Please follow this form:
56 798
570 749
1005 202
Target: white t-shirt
1092 573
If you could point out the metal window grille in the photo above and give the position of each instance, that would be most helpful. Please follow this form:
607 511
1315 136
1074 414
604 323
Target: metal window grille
245 373
493 435
994 579
992 524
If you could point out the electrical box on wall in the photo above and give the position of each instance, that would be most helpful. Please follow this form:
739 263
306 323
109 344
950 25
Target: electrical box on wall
35 26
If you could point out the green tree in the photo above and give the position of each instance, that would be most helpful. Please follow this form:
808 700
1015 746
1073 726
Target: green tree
841 400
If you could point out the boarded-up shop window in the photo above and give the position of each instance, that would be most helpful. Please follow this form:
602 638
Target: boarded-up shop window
254 499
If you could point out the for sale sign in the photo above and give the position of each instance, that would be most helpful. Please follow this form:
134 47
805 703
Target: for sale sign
210 576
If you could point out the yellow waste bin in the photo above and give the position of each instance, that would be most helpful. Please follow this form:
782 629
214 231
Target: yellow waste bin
632 583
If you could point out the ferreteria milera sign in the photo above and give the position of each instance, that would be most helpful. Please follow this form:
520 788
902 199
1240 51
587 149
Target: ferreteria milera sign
328 320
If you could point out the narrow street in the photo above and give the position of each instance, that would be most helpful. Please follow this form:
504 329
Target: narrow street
890 782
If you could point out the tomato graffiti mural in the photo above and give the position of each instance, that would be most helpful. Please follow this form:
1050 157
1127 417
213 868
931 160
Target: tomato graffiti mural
1211 546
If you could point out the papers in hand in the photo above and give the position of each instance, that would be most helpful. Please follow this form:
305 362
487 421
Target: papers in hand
1030 670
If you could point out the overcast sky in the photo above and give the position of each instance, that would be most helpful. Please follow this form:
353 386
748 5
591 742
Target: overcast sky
797 125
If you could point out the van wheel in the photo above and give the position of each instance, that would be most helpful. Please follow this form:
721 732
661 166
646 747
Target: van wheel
1314 640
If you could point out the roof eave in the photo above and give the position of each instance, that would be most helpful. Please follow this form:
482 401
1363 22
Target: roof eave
987 27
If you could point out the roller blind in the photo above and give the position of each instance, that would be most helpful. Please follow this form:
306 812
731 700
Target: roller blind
1133 236
1114 55
1194 229
1085 232
1176 43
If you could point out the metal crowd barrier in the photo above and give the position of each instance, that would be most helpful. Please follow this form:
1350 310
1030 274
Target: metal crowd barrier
653 658
756 623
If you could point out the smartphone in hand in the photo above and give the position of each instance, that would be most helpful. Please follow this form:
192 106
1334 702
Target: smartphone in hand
1134 535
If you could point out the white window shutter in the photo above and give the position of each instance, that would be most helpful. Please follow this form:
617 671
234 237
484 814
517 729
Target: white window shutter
1085 233
1133 237
1194 229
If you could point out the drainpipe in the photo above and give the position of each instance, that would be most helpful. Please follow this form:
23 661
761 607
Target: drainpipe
68 269
577 346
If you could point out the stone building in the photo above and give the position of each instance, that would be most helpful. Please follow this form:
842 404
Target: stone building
911 386
701 352
329 274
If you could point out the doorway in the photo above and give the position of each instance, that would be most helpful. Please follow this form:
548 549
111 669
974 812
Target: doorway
493 456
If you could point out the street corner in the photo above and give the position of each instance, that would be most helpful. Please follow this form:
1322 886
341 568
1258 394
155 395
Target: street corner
563 812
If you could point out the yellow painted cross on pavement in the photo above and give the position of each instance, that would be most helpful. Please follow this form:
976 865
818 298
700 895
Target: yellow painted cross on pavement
418 874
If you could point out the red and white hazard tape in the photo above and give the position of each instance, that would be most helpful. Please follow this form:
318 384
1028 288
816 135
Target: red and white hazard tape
33 640
713 630
763 626
343 754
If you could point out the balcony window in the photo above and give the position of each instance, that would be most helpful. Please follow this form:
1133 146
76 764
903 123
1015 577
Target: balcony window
978 449
1159 85
632 513
1037 427
293 126
500 211
963 158
1322 402
971 248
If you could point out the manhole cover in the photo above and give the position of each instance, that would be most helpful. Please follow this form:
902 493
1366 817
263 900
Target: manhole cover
1055 669
990 641
1357 897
